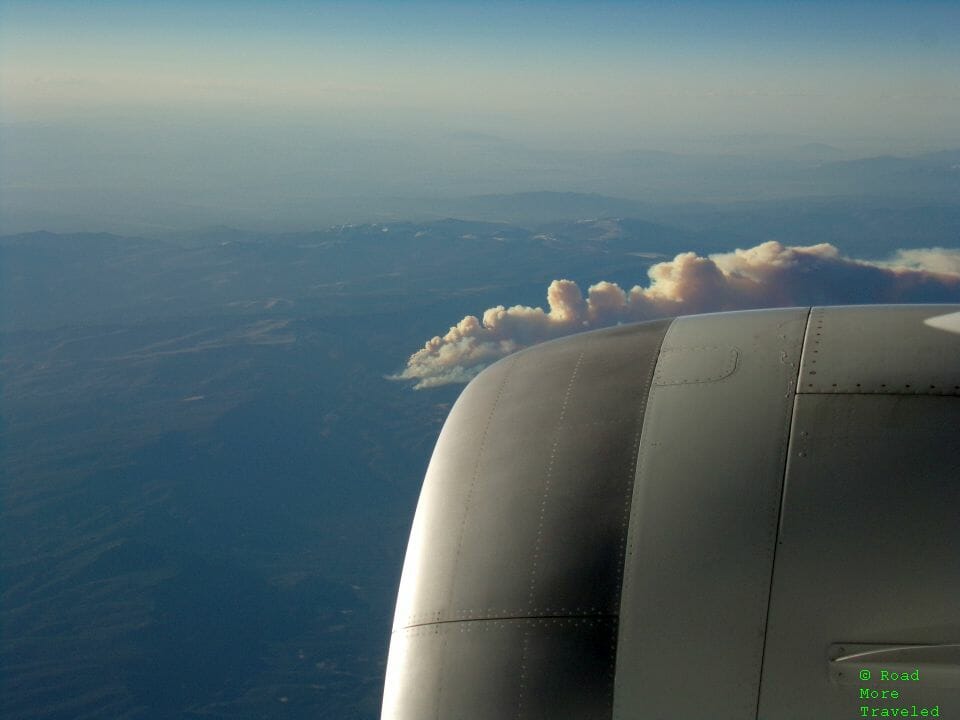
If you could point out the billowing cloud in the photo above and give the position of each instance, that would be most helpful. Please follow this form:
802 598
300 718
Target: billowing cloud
768 275
938 260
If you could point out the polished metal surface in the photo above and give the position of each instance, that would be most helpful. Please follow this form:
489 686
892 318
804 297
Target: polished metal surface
720 516
530 668
516 553
881 349
704 518
869 548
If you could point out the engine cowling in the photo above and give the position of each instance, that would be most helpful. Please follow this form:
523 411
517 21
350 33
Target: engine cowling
716 516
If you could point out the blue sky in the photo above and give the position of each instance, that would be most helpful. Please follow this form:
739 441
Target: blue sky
157 108
560 68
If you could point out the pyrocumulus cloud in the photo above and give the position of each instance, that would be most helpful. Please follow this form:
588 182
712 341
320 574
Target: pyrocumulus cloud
768 275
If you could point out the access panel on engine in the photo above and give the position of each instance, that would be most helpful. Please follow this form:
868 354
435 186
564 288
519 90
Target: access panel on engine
865 604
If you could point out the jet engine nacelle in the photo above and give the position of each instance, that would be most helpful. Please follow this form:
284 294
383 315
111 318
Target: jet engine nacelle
733 516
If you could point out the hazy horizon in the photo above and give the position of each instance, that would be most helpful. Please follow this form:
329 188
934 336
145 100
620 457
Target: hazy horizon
167 116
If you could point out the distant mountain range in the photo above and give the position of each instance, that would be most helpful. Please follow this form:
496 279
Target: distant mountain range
505 183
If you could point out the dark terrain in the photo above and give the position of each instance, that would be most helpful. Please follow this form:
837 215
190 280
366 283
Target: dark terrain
207 479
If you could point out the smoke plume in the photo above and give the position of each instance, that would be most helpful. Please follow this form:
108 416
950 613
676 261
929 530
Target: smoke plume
768 275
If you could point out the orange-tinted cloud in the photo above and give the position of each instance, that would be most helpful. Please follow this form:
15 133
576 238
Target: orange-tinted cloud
768 275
